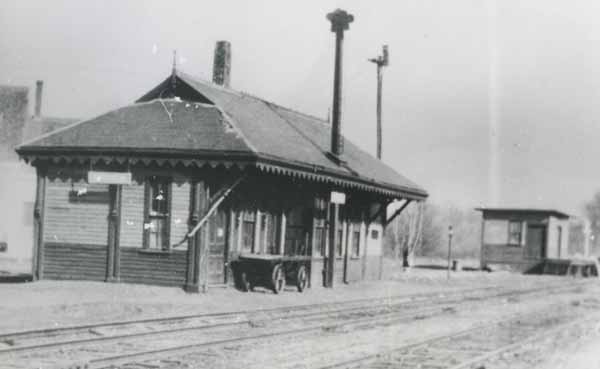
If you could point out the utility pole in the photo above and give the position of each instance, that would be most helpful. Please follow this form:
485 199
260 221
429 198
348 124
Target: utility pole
381 61
340 21
449 250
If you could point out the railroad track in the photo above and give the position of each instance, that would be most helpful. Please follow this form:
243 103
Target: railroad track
157 338
475 347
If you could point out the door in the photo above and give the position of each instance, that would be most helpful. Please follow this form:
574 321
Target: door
536 242
217 250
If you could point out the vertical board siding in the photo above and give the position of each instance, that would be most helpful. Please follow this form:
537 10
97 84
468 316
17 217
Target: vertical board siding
74 261
373 264
354 272
165 269
76 214
132 215
180 212
316 272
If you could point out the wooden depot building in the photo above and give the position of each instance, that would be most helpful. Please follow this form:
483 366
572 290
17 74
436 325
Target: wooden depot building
171 189
523 239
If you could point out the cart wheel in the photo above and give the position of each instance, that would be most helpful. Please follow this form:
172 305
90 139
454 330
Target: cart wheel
278 278
301 278
246 285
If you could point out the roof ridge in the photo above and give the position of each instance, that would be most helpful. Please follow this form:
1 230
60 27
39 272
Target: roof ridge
244 94
233 123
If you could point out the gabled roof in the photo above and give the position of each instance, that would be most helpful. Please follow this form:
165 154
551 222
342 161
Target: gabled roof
217 121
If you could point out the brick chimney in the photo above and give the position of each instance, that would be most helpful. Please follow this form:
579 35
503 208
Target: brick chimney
39 86
222 63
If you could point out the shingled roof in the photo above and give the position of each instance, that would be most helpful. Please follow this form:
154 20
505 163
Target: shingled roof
215 123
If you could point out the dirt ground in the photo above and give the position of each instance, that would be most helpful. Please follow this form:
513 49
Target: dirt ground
48 304
62 303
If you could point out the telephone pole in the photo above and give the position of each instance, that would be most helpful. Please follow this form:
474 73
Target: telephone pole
381 61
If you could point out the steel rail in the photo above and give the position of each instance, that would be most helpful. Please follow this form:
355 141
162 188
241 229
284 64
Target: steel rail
292 308
393 317
282 313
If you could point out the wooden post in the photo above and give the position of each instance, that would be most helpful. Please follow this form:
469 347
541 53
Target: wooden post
229 245
203 239
282 226
114 220
38 225
481 250
363 250
333 216
348 228
197 266
256 247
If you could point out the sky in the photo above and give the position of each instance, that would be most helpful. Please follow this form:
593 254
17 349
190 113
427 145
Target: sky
484 102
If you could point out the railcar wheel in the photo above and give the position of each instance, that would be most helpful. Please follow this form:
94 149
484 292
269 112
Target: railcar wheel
278 278
301 278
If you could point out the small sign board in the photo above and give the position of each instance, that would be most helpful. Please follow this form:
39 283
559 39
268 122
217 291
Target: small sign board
338 197
109 177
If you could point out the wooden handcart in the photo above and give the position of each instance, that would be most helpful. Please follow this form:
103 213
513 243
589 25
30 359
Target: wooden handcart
271 271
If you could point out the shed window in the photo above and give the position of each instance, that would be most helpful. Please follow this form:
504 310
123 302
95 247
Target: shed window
514 233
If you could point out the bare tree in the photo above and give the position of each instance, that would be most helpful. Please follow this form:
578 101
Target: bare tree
592 212
407 232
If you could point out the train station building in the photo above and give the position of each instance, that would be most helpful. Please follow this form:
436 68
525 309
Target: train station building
173 188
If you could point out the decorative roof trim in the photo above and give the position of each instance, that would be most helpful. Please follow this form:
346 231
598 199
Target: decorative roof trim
171 157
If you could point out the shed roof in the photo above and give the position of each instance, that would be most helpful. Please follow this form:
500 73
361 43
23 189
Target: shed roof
226 123
546 212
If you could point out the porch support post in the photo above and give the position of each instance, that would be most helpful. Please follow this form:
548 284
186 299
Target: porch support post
333 216
114 221
199 205
38 225
203 238
282 226
482 249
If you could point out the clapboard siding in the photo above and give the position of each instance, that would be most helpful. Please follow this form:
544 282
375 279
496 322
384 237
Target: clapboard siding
166 269
74 261
132 215
76 219
503 253
180 210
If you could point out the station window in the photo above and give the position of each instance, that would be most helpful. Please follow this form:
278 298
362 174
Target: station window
157 206
320 240
248 223
356 244
514 233
321 229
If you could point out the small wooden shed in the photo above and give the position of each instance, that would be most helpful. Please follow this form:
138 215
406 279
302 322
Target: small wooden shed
523 239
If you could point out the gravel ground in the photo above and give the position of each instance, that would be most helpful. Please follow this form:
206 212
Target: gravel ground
59 303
